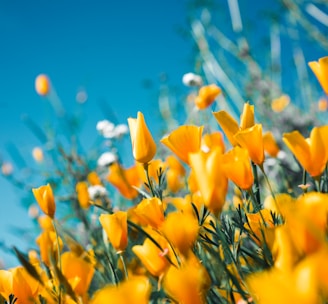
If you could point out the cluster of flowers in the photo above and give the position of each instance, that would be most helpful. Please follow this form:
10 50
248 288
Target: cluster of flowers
182 241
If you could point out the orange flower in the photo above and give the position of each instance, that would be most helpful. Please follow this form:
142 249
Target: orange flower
284 252
152 257
312 153
320 70
42 85
150 211
285 287
181 229
83 194
136 290
143 144
230 126
237 167
77 271
322 105
252 140
187 284
174 164
270 145
153 169
45 222
116 228
123 180
45 198
18 282
212 140
206 96
174 174
261 230
47 242
211 181
94 179
280 103
183 141
308 216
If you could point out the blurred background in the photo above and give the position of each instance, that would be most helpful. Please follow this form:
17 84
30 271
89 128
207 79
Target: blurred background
110 59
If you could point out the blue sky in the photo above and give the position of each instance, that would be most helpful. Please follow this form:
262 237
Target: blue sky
107 47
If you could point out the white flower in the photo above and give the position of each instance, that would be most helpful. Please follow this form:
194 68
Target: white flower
106 159
97 191
109 130
104 126
121 129
192 80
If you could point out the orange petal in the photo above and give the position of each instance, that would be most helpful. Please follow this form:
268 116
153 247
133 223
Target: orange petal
228 125
183 141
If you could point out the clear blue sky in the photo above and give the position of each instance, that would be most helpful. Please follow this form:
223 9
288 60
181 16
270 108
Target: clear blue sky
108 47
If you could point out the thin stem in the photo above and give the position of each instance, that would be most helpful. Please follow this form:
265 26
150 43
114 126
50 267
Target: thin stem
150 185
124 266
304 181
58 257
271 190
259 206
257 184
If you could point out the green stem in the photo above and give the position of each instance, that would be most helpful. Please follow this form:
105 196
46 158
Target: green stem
124 266
58 257
257 184
271 190
304 181
259 206
150 185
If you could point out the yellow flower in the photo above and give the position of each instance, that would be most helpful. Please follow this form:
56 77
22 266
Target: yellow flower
143 144
123 180
187 284
211 181
181 229
174 174
47 242
308 216
270 145
211 140
284 252
183 141
237 167
284 287
83 194
45 198
45 222
230 126
150 211
136 290
322 105
42 85
77 271
94 179
280 103
206 96
251 139
260 231
152 257
116 228
17 281
153 169
312 152
320 70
